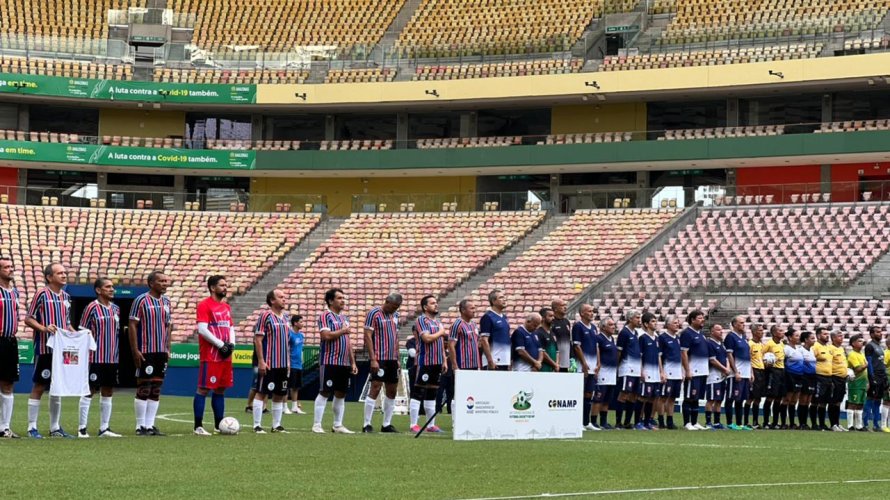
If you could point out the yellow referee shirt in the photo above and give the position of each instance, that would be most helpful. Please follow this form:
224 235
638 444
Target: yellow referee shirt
838 362
823 355
757 354
778 349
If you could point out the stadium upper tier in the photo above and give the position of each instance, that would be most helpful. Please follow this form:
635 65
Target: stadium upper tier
74 20
126 245
569 259
695 21
280 25
414 254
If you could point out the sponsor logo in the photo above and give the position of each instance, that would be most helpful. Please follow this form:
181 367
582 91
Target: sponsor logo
522 400
212 380
149 370
425 377
471 402
562 403
329 383
93 377
45 374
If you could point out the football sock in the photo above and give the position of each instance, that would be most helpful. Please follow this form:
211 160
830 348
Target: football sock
430 406
716 417
369 409
585 418
619 413
638 410
670 420
604 418
33 413
218 403
151 411
628 412
6 414
776 406
55 411
320 403
867 412
661 420
413 411
783 414
802 414
139 407
878 408
728 409
389 405
104 412
198 405
739 408
278 410
814 412
647 411
834 414
821 415
693 412
885 413
766 412
685 409
707 417
84 411
258 412
748 415
339 407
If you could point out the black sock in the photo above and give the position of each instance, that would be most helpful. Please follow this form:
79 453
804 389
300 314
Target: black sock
707 417
728 410
604 418
670 420
587 405
687 413
792 412
748 415
716 417
693 412
619 412
814 412
802 412
661 420
776 406
738 413
629 412
766 412
821 415
783 413
638 412
834 414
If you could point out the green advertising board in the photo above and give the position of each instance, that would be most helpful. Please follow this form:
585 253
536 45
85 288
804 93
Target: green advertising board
90 154
26 352
186 355
114 90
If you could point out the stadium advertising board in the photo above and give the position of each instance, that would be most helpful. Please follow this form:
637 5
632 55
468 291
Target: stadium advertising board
186 355
26 351
111 90
51 152
517 405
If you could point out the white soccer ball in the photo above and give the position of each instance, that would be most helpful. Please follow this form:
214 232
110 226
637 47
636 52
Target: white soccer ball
850 374
769 359
229 426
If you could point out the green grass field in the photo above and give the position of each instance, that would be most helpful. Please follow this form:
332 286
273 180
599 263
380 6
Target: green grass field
305 465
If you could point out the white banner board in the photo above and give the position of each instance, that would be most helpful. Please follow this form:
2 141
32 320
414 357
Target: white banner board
517 405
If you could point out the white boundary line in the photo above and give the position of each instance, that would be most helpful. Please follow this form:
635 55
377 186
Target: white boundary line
718 445
682 488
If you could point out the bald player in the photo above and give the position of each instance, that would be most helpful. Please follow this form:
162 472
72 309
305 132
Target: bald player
561 329
382 344
529 355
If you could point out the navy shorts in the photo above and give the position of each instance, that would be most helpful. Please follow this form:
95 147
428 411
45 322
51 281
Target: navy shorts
775 384
758 388
589 383
671 389
715 392
824 389
738 390
628 384
793 382
809 384
650 389
694 388
603 393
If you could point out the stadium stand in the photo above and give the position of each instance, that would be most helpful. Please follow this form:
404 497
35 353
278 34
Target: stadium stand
223 76
721 132
853 126
875 41
126 245
356 145
570 258
509 68
462 27
260 145
283 25
696 21
67 69
371 255
469 142
588 138
362 75
713 57
849 315
739 249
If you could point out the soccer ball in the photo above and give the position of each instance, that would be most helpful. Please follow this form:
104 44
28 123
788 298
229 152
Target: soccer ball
850 374
769 359
229 426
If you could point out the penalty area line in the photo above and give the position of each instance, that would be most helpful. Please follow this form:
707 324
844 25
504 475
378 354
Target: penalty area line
683 488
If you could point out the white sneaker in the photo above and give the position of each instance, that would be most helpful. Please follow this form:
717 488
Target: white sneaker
591 427
316 428
298 410
342 430
108 433
690 427
287 410
199 431
836 428
700 427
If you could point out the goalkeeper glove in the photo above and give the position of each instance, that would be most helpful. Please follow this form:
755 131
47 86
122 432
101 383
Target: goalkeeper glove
226 350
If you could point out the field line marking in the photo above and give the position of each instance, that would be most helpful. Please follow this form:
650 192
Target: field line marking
717 445
682 488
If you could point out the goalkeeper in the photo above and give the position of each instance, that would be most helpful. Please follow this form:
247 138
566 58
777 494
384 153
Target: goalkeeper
216 343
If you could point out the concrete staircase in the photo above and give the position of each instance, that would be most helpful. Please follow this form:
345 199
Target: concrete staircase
244 305
873 283
395 29
498 263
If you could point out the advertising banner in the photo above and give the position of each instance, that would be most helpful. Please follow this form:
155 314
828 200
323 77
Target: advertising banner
111 90
91 154
517 405
188 355
26 352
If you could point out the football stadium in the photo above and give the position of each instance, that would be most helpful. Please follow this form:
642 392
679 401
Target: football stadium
455 249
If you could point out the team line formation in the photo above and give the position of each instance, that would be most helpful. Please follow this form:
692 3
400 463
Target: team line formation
795 379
